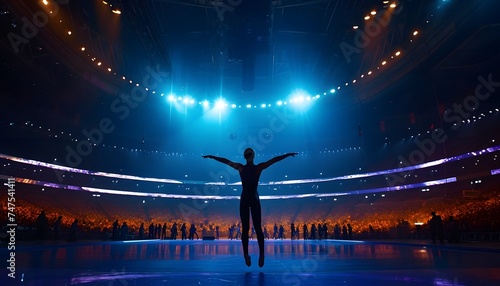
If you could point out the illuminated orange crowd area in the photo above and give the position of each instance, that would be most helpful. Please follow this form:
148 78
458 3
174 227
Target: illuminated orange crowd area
385 215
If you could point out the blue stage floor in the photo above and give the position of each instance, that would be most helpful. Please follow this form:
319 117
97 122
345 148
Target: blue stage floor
199 262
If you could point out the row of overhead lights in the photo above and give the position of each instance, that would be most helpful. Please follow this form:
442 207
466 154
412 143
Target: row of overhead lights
221 103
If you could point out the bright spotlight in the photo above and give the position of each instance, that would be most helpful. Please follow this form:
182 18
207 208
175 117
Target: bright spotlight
220 104
263 105
279 103
332 90
205 103
249 106
171 98
233 105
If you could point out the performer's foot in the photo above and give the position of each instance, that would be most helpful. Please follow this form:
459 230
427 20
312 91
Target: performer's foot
248 260
261 260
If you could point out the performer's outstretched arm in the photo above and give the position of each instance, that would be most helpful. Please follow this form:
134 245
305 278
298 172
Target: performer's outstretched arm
237 166
275 159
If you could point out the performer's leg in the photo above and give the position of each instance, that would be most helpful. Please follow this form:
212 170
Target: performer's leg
245 221
256 218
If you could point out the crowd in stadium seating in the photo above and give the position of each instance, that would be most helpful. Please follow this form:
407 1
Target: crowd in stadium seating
391 219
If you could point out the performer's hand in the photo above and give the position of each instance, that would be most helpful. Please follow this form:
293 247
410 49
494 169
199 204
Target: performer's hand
293 154
208 157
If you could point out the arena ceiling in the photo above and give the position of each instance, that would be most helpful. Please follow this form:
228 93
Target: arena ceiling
246 52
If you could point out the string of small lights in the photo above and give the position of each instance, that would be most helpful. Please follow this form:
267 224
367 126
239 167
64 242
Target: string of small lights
299 98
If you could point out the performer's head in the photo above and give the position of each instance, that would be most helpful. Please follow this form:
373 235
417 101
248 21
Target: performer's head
249 154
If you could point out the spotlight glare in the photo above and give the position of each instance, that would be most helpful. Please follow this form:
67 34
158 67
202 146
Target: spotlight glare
263 105
205 103
220 104
332 90
280 103
249 106
233 105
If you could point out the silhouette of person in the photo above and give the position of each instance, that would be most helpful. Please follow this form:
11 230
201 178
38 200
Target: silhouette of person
151 230
173 231
57 227
266 235
42 224
115 230
313 231
436 227
164 231
217 232
192 232
141 231
183 231
124 231
305 231
281 234
249 199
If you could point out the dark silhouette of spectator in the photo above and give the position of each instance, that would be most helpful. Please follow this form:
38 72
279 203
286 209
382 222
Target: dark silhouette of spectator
173 231
344 232
249 200
151 231
266 234
281 234
297 232
158 231
320 231
313 231
183 231
436 228
124 231
370 228
336 231
453 230
57 227
231 231
305 231
141 231
325 231
192 232
114 234
275 232
217 232
238 232
292 230
164 231
42 223
349 231
73 231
